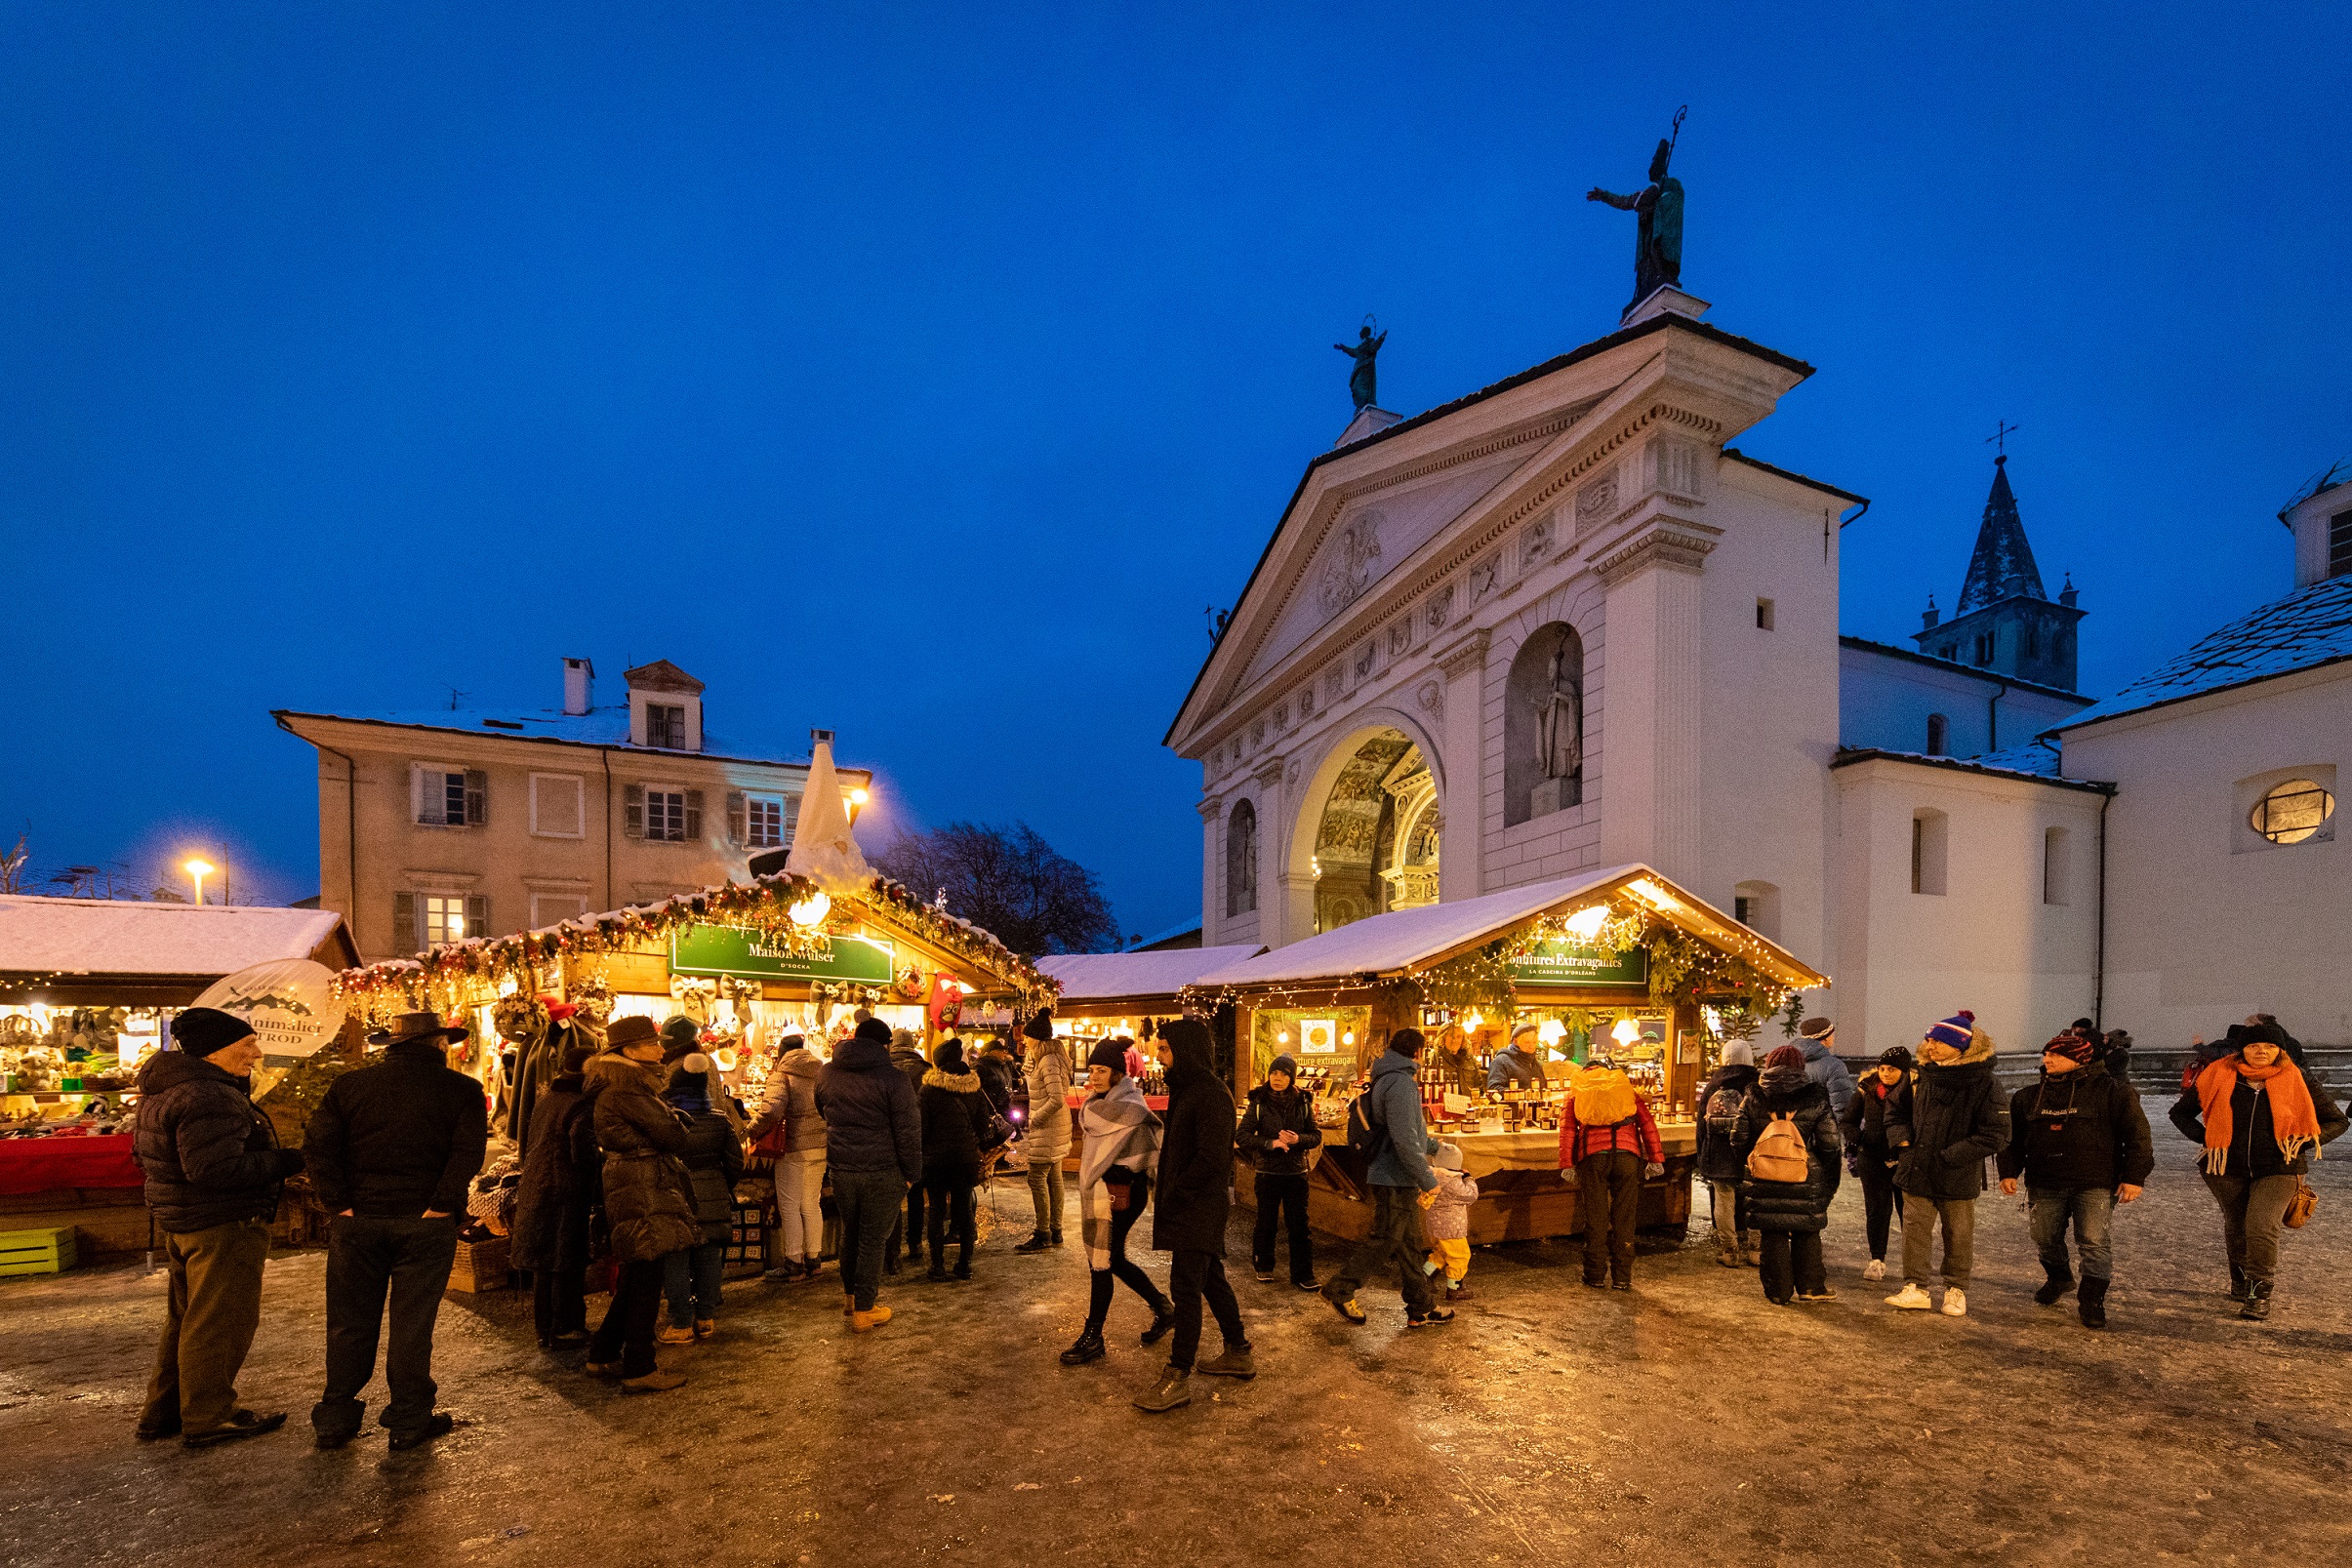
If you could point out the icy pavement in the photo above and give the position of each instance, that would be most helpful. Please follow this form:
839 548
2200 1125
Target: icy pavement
1688 1422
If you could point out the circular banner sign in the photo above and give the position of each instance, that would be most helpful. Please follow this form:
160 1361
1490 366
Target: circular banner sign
290 1002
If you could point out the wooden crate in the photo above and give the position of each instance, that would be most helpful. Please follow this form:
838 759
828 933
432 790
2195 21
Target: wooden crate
48 1250
481 1265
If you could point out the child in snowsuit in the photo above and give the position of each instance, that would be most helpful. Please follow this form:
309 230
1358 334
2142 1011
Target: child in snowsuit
1448 1222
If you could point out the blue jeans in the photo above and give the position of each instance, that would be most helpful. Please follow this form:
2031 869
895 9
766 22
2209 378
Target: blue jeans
2092 1209
690 1280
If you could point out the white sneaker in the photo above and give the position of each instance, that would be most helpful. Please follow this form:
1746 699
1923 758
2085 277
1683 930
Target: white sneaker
1875 1269
1956 1302
1911 1299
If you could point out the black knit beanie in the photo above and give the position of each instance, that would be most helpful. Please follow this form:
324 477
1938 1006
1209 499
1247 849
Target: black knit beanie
202 1030
874 1029
1109 1054
948 1057
1040 1027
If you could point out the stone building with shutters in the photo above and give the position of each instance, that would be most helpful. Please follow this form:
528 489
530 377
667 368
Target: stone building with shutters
457 823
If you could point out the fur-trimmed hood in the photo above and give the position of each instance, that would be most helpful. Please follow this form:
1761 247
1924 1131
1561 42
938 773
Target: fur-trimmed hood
962 1083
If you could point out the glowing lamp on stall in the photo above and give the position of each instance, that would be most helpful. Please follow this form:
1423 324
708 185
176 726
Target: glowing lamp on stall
1551 1031
1473 1023
811 910
725 1059
1281 1037
1347 1038
1585 924
855 800
1626 1032
198 870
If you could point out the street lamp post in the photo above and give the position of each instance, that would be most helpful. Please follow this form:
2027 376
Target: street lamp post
198 870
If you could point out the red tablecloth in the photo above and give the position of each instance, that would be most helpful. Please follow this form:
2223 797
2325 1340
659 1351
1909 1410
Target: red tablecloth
44 1164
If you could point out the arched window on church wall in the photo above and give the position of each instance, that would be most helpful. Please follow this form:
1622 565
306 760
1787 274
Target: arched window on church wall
1543 726
1939 735
1241 860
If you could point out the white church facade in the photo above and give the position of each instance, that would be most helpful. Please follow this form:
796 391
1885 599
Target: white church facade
1564 624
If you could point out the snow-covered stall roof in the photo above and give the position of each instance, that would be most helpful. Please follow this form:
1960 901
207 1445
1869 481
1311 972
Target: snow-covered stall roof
41 936
1409 938
1094 976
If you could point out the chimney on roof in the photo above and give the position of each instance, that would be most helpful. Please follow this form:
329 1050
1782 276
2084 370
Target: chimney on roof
578 686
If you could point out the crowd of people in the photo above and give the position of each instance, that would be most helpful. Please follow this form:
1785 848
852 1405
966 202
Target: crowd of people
634 1147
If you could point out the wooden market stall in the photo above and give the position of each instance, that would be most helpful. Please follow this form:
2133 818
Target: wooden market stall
87 990
1624 954
1104 996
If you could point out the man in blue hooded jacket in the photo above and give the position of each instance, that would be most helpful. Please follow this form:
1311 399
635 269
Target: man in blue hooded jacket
1403 1185
1817 1038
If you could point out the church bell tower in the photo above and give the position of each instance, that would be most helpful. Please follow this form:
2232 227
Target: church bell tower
2005 623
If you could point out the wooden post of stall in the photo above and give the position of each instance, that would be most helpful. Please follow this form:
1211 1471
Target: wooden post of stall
1681 1077
1245 1050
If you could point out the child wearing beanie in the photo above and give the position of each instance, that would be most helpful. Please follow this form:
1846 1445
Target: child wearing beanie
1448 1222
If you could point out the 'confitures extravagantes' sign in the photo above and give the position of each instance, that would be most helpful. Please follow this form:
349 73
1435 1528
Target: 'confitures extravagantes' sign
734 951
1559 962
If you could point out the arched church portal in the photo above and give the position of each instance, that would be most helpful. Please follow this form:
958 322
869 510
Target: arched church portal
1376 839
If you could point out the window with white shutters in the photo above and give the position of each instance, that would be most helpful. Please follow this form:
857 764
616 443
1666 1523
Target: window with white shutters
665 814
763 822
450 797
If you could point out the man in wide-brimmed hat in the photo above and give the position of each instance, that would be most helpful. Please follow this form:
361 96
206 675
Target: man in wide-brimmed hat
391 1152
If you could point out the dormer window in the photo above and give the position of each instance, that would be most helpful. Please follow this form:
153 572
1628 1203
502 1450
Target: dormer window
2340 545
666 726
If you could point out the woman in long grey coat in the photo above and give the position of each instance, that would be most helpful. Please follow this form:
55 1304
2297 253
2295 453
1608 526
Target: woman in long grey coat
648 1200
1045 1142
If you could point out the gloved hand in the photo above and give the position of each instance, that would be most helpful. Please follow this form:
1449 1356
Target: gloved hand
1654 1170
1567 1174
1853 1162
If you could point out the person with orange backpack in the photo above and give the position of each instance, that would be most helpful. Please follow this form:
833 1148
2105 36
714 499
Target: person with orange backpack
1790 1147
1607 1143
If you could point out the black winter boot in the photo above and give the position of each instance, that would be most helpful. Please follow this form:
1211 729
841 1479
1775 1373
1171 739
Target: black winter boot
2257 1301
963 1264
2091 1303
1163 1320
1037 1242
1089 1346
2058 1282
2237 1283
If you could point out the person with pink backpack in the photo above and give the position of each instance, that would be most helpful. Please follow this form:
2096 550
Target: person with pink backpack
1790 1148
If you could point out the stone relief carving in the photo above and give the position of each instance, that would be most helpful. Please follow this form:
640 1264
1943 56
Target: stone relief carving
1482 578
1364 657
1440 607
1677 468
1305 701
1536 543
1331 684
1401 638
1596 502
1355 562
1298 771
1257 733
1282 715
1431 698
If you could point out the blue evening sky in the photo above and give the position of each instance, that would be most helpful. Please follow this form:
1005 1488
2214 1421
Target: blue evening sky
922 373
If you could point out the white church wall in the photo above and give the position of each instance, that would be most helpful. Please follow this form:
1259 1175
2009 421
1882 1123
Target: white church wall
1884 702
2208 922
1988 942
1769 706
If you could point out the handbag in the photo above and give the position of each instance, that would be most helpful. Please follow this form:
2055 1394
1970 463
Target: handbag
1122 1189
2299 1206
777 1140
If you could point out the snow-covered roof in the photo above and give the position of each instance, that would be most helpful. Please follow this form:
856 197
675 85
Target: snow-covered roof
2033 761
2309 628
599 726
117 937
1105 976
1403 938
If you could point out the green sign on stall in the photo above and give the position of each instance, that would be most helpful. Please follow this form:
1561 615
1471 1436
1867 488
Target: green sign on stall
734 951
1559 962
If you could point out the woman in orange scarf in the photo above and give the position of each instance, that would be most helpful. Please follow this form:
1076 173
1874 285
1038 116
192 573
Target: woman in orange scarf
2259 1117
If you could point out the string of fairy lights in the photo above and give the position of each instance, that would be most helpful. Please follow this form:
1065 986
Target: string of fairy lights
786 911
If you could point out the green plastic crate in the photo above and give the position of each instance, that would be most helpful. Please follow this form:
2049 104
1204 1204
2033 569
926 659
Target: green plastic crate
47 1251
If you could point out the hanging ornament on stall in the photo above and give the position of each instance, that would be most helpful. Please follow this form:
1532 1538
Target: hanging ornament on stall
290 1004
947 1002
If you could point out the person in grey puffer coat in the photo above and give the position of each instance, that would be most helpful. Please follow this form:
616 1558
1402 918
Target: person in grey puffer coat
791 1106
1045 1140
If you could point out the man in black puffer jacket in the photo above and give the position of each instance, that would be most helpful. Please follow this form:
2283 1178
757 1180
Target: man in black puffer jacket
1278 1133
873 1148
1190 1210
214 1175
2081 1141
1958 1121
393 1149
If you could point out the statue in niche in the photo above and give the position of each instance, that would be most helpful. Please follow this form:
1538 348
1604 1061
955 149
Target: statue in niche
1659 207
1363 380
1560 722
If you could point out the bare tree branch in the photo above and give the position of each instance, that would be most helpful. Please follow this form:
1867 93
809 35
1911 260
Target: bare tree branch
1010 881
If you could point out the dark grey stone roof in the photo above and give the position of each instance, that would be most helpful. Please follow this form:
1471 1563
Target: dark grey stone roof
2309 628
2003 567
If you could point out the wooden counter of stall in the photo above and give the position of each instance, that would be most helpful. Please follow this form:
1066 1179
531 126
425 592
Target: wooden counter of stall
1622 954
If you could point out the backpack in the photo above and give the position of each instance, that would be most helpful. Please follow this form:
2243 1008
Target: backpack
1779 1154
1367 1136
1723 1110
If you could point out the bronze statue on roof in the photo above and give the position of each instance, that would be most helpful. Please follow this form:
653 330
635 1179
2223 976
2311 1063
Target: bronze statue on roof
1658 206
